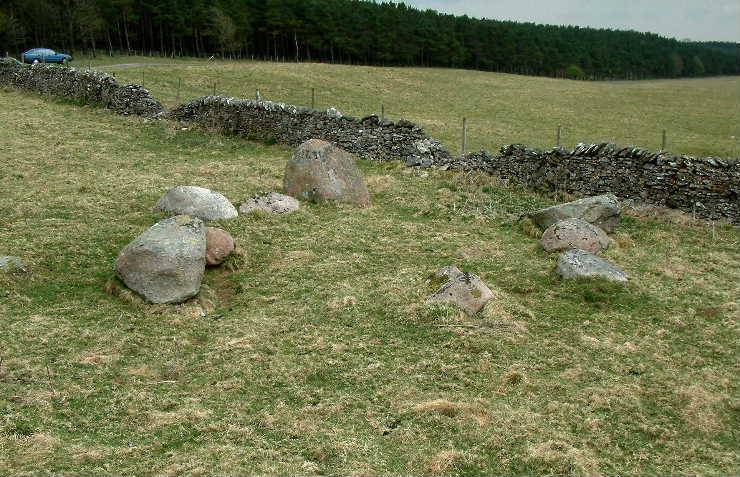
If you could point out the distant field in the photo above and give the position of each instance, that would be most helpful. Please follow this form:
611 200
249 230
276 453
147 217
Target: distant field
699 115
317 355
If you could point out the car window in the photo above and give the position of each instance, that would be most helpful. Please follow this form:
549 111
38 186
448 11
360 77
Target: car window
34 51
48 52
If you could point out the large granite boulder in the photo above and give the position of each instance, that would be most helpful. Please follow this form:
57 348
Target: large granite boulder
219 245
466 290
320 171
602 211
271 202
574 233
198 202
165 264
578 263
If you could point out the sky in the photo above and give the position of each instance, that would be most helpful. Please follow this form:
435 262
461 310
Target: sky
699 20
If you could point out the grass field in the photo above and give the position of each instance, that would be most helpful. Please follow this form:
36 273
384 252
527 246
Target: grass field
699 115
317 355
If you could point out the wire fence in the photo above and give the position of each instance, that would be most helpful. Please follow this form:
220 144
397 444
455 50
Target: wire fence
471 131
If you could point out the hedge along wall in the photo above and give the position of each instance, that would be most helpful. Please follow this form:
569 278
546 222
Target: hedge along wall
88 86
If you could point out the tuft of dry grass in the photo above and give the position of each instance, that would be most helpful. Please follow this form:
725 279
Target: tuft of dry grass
560 458
530 229
700 410
444 462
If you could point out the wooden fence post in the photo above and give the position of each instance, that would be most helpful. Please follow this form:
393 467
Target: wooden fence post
465 136
382 112
662 148
558 138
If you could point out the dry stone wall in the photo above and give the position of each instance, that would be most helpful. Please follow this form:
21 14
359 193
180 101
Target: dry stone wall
88 86
369 137
708 187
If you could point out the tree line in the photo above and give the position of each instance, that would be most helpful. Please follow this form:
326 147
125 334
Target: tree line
353 32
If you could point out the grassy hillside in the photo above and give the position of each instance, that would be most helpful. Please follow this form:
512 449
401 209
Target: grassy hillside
700 115
317 354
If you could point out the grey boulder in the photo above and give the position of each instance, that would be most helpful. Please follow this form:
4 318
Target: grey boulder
271 202
466 290
601 210
198 202
574 233
320 171
578 263
166 263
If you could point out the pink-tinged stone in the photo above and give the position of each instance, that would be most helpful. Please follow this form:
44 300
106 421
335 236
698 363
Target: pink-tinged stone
574 233
219 245
320 171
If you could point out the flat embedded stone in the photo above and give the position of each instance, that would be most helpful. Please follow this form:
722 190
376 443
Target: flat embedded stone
465 290
578 263
271 202
602 210
12 264
198 202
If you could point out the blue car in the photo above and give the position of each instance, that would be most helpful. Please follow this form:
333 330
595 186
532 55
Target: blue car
45 55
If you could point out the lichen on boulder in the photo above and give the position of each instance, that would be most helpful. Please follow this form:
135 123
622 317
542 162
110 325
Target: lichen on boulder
165 264
578 263
574 233
198 202
465 290
320 171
